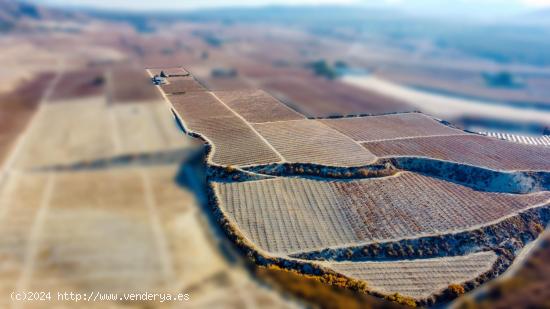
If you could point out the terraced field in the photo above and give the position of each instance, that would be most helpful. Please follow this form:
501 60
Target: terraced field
257 106
330 208
418 278
376 128
473 150
235 142
289 215
310 141
179 85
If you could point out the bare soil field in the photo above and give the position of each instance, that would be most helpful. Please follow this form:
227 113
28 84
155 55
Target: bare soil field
419 278
17 107
316 97
79 84
288 215
377 128
234 142
310 141
257 106
131 85
473 150
180 85
222 83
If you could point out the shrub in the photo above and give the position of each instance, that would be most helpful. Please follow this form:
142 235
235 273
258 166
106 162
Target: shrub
403 300
365 172
535 228
456 289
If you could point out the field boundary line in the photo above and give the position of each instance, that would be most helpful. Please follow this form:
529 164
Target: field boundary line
35 234
413 137
23 136
249 125
115 132
6 206
154 219
168 103
375 157
271 96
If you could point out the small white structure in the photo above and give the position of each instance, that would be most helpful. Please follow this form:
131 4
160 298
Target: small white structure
159 80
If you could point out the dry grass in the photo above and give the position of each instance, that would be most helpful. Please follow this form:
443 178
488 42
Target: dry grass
88 129
319 294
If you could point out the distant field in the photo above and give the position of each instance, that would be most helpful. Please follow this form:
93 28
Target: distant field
131 85
310 141
449 108
316 97
374 128
419 278
473 150
469 84
80 83
288 215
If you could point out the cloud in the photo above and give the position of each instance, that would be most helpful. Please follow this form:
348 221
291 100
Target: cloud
537 3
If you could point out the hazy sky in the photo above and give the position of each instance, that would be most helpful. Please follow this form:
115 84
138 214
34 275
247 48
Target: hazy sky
473 7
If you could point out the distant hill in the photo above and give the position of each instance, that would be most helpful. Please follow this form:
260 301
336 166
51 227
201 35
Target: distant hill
11 12
14 12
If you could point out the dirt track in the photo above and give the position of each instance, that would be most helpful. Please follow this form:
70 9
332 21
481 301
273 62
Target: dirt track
447 107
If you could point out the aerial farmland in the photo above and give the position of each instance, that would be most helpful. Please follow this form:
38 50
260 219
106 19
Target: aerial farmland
378 204
288 156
